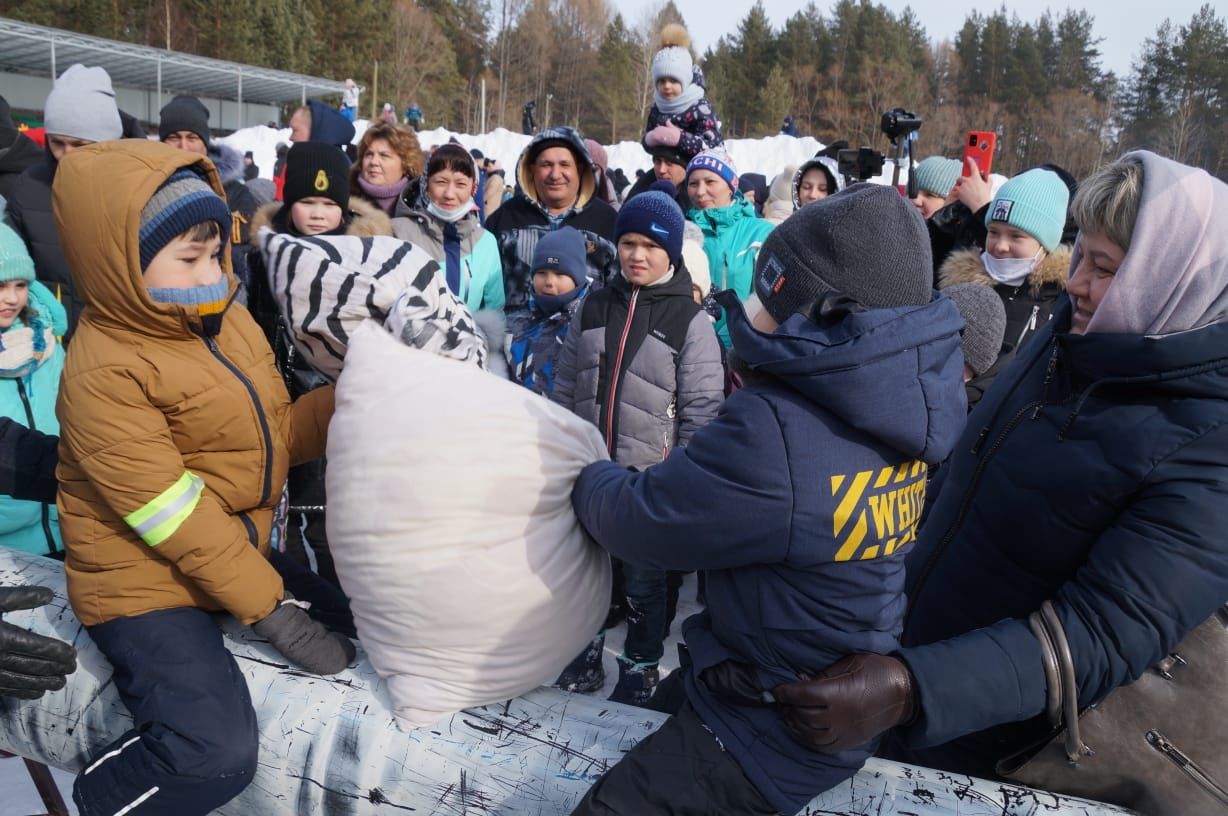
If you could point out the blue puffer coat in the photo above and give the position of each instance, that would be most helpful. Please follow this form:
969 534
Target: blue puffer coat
1094 473
800 499
28 389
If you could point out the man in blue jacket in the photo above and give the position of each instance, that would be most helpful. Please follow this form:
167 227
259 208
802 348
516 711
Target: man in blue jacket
800 501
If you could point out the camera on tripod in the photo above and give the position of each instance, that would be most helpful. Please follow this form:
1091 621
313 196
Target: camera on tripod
897 123
864 163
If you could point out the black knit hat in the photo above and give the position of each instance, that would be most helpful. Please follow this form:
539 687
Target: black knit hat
316 169
184 113
865 242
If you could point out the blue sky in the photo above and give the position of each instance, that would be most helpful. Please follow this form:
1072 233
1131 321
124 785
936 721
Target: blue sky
1123 24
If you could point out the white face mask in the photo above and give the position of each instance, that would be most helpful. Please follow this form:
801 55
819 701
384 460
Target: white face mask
450 216
1010 271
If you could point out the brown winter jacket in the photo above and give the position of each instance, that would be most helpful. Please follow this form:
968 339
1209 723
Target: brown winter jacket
184 438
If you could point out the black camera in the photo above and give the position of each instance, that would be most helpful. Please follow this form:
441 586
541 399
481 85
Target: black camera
898 123
860 163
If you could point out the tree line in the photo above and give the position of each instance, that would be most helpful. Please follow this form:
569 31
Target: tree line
1038 83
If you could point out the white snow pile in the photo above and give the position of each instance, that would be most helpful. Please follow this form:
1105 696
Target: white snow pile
768 156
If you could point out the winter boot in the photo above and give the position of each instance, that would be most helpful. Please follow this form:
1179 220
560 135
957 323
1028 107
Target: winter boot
636 682
585 673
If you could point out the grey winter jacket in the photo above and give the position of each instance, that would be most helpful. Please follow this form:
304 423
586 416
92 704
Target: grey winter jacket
644 365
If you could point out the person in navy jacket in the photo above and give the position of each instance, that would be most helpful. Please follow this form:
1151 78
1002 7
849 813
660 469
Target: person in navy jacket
800 501
1092 474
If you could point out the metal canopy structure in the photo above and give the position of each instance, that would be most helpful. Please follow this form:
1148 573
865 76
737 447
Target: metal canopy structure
42 51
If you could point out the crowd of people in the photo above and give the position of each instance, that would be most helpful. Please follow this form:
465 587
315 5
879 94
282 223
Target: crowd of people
884 431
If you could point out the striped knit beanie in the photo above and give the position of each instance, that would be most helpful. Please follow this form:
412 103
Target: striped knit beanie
182 202
1034 202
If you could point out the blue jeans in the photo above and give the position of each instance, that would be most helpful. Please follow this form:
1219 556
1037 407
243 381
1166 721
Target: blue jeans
645 591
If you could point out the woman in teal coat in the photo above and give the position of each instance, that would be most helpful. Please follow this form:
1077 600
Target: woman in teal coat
31 360
437 213
732 233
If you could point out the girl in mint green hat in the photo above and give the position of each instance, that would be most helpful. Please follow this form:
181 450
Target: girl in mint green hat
1024 259
31 360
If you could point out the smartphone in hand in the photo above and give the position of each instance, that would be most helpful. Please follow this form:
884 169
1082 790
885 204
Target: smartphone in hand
979 146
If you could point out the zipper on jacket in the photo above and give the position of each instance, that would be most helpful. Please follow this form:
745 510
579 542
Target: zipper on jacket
46 511
267 489
1174 754
966 503
618 364
1028 326
250 527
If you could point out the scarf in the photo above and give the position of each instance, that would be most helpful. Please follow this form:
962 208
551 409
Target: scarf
679 103
384 195
24 347
209 302
1174 276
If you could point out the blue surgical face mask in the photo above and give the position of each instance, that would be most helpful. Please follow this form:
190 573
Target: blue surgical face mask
1010 271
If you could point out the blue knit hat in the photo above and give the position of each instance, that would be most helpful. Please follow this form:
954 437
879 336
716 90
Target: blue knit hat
936 175
15 261
183 201
564 250
1034 202
657 217
718 160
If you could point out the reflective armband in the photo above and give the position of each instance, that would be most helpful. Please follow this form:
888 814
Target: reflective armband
158 520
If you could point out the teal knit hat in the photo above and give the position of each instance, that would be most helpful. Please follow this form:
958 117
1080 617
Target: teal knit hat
1034 202
15 261
937 175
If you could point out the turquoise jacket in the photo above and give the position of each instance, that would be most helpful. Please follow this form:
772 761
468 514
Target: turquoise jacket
481 284
30 371
732 237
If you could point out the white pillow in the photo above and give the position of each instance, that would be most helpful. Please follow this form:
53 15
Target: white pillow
450 522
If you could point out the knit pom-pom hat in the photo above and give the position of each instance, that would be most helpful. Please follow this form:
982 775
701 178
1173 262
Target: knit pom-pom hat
673 60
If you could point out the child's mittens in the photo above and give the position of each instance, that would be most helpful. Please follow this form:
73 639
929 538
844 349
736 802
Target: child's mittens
666 135
304 641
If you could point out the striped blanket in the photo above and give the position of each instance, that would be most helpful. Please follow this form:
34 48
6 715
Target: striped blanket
326 286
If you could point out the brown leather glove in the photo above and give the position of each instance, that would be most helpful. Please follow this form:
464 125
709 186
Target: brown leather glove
849 703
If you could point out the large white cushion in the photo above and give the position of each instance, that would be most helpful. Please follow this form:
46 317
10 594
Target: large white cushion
450 521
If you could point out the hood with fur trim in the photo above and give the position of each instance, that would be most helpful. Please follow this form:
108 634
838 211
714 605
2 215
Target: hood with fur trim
366 220
965 266
227 160
565 137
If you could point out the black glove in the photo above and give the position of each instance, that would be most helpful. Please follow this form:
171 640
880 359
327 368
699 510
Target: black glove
849 703
304 641
31 664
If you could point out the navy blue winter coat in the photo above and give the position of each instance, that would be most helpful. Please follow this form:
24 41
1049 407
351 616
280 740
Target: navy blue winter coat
800 500
1095 473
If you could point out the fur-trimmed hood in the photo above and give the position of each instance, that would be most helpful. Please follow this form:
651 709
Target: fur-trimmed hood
557 137
366 220
227 160
965 266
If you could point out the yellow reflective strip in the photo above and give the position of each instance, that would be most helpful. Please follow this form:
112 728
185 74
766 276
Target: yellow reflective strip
162 516
168 527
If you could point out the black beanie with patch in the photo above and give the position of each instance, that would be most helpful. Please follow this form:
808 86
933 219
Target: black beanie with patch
316 169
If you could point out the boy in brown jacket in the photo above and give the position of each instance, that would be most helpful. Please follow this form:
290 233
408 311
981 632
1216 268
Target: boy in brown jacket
176 434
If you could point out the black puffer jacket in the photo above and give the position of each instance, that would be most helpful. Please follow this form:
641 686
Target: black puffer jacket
14 159
30 214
